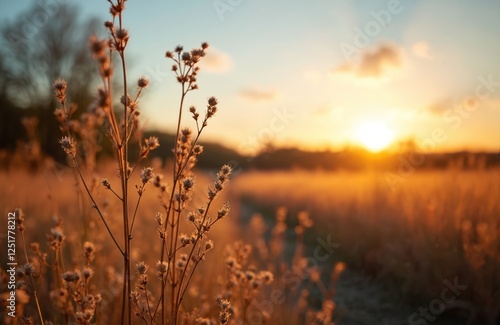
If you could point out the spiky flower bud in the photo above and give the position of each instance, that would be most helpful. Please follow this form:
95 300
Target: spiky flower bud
141 267
159 218
143 82
88 250
122 34
71 276
152 143
60 87
147 174
209 245
162 268
106 183
68 145
188 183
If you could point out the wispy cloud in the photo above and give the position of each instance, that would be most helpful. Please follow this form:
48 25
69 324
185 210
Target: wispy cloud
438 107
327 110
374 62
256 93
216 61
422 50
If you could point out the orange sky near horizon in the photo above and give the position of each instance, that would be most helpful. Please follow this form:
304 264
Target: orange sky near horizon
324 75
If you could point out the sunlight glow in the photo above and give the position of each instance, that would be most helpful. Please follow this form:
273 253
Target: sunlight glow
374 135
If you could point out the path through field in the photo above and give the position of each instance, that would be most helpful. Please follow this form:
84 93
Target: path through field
359 299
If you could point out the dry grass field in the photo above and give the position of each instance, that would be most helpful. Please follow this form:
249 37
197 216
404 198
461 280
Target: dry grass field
384 251
435 226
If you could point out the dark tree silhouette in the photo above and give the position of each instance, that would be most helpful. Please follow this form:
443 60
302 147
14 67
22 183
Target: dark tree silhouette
37 47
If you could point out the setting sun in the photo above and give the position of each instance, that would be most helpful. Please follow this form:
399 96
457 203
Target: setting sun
374 135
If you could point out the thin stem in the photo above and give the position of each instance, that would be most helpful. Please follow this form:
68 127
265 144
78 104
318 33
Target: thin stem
118 196
169 209
141 189
94 204
147 303
124 148
198 237
33 283
185 288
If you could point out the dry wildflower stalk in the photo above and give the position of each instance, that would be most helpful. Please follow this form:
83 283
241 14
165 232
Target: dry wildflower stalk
180 255
243 284
27 270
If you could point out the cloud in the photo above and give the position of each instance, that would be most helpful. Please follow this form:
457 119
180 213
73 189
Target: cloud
322 110
463 103
216 61
440 106
374 62
422 50
256 93
327 110
493 104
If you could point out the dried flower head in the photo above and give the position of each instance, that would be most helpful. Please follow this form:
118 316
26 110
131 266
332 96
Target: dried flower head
249 275
106 183
180 264
68 145
188 183
198 149
143 82
60 87
266 276
152 143
87 273
71 276
88 250
209 244
226 170
203 321
147 174
126 100
191 216
157 180
159 218
162 268
26 269
97 47
56 237
223 211
122 34
185 240
19 219
224 314
108 24
141 267
186 56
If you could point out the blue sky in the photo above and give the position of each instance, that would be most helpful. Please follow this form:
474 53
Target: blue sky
281 71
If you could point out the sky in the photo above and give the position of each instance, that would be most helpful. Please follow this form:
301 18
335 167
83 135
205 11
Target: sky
323 74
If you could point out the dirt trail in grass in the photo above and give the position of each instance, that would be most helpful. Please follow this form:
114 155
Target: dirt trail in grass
359 299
